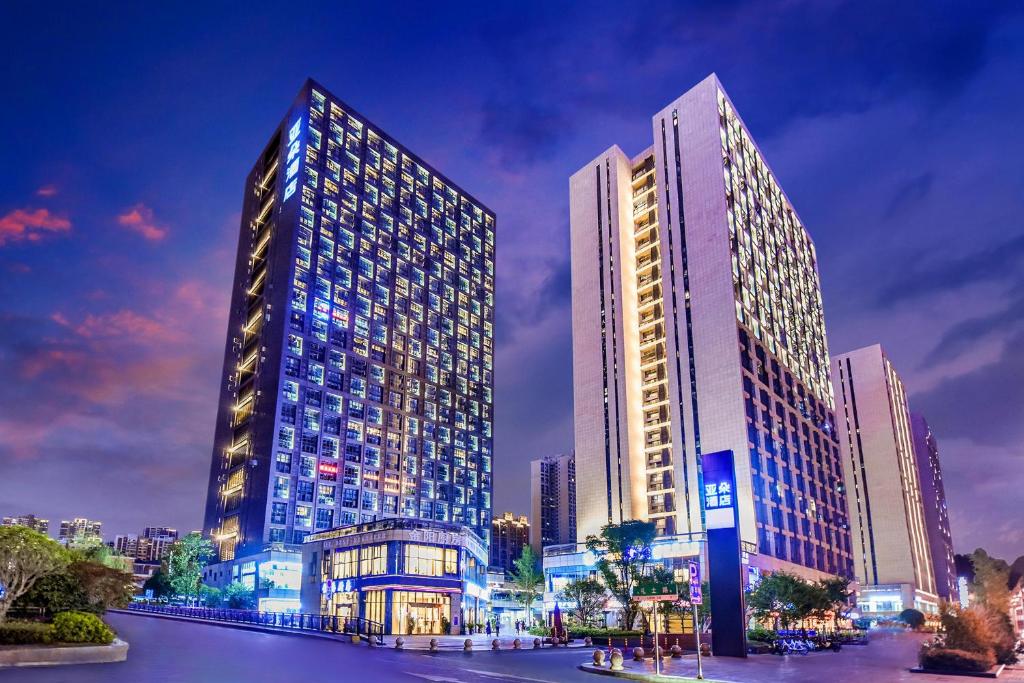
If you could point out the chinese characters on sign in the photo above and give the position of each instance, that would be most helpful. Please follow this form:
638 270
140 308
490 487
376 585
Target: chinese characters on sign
717 495
293 159
336 586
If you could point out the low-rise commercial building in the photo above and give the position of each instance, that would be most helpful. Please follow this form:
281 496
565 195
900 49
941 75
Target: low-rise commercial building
274 575
407 576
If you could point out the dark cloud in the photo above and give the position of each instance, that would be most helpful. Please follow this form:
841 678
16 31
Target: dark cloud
962 336
984 405
909 193
996 263
522 133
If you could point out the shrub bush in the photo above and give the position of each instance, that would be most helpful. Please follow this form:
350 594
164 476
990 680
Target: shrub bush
943 659
967 629
584 631
81 627
912 618
762 634
25 633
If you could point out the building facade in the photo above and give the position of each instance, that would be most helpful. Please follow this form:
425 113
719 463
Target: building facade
887 517
30 521
408 576
358 366
936 514
509 535
698 327
80 528
553 501
152 546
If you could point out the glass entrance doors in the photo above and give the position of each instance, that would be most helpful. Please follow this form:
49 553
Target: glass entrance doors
415 612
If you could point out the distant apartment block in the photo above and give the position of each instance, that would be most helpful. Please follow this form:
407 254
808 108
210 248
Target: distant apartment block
936 514
698 327
160 531
553 501
509 535
80 528
887 515
30 521
152 546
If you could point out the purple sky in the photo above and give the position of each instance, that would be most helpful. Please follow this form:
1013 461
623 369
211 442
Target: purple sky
895 131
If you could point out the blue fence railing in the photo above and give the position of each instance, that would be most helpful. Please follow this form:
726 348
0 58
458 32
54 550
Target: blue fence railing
321 623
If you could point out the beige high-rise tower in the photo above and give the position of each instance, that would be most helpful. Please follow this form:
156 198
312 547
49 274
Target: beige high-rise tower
698 327
890 539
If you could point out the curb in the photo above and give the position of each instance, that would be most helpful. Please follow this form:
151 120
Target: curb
338 638
63 655
638 676
969 674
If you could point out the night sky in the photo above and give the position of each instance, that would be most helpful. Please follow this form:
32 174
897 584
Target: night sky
895 130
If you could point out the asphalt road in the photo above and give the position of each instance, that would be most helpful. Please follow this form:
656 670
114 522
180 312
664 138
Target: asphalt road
166 651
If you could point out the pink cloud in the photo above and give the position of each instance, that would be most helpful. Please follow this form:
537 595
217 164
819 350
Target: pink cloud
46 191
140 219
123 325
25 224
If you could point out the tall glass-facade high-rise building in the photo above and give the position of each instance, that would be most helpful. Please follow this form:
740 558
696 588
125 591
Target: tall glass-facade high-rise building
936 513
698 327
358 367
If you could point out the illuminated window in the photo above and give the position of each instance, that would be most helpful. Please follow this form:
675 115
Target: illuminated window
373 560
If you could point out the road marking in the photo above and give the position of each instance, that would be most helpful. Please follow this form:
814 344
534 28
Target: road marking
507 676
436 679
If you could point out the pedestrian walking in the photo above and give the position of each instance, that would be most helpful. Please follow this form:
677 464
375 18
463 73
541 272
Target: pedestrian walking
488 628
497 628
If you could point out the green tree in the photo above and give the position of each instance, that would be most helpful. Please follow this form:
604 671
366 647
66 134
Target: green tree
838 594
104 586
237 596
185 561
528 580
623 554
588 597
783 598
55 593
703 609
25 557
912 618
210 596
991 581
159 583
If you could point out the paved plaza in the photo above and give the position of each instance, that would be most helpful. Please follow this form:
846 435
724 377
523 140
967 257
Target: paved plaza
167 651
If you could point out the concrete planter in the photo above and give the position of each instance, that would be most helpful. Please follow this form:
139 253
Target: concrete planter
56 655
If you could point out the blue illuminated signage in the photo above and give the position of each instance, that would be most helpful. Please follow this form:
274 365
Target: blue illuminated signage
292 169
717 495
696 596
719 483
337 586
718 489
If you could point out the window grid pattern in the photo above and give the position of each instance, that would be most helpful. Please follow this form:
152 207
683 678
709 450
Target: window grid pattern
388 368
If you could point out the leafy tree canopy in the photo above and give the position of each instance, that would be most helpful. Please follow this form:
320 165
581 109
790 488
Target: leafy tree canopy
26 556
